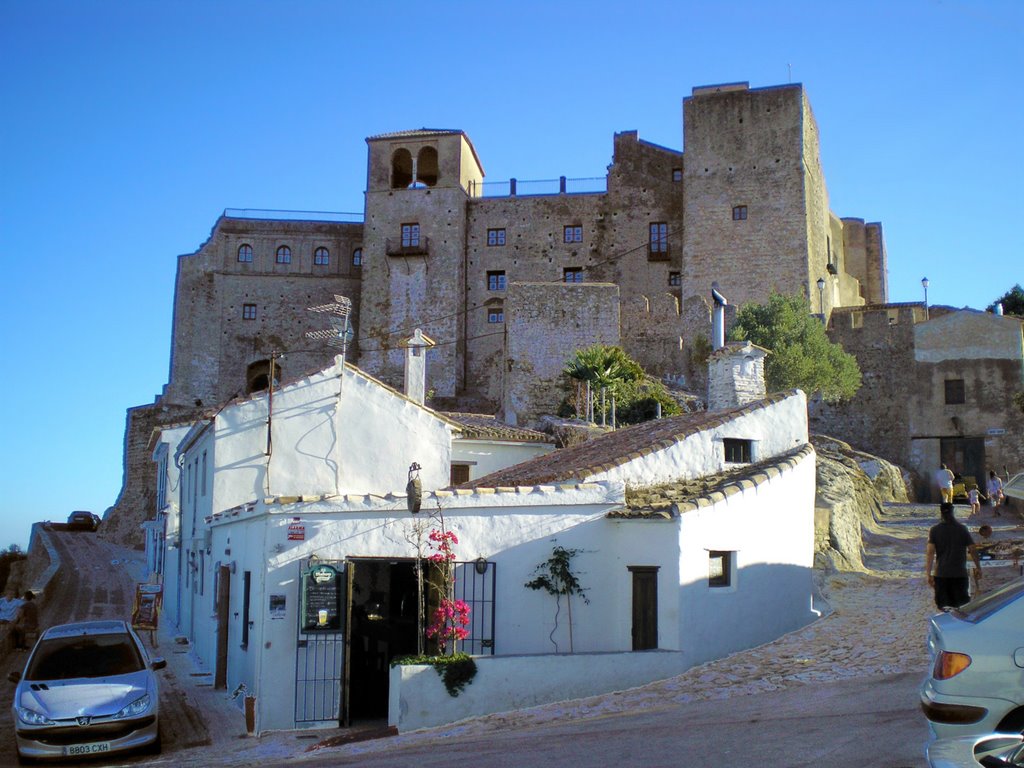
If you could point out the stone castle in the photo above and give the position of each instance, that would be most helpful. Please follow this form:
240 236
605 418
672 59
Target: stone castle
509 278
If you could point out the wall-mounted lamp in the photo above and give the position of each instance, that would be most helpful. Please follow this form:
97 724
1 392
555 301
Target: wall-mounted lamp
480 565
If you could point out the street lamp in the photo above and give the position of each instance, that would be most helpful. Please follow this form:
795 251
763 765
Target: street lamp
924 284
821 297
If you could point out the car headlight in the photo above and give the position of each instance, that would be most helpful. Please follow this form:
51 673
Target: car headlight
136 708
31 717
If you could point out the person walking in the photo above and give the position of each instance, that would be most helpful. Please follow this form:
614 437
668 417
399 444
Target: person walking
949 543
26 623
945 479
974 497
995 490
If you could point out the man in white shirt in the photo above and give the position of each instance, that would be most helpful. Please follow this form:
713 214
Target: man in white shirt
10 604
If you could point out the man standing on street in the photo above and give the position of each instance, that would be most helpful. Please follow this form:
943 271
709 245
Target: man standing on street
948 545
945 477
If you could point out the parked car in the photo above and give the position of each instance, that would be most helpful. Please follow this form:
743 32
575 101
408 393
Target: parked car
80 520
88 688
993 750
976 684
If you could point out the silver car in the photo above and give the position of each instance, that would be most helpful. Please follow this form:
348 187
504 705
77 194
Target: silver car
88 688
976 685
994 750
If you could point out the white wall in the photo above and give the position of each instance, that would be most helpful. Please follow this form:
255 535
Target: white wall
486 456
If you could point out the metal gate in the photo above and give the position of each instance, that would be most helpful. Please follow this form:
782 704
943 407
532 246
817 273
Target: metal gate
474 583
320 662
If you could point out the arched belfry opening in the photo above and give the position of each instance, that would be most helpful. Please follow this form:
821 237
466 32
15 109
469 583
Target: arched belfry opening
401 169
257 376
426 166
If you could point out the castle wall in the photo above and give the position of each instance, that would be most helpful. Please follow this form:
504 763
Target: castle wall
547 323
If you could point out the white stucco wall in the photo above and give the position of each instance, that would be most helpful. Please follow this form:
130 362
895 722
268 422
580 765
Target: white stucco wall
486 456
774 429
968 335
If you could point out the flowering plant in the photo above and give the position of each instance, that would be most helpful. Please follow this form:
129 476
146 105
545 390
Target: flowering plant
451 616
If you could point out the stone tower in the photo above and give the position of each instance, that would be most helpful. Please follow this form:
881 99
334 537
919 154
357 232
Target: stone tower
418 188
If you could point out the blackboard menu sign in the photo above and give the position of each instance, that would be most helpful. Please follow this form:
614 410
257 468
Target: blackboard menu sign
322 587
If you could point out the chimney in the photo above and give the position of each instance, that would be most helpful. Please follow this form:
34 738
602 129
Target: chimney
416 366
717 319
736 375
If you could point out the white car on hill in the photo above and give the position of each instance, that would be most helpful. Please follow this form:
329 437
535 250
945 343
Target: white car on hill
976 685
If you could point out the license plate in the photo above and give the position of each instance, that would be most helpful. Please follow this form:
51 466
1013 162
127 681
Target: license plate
87 749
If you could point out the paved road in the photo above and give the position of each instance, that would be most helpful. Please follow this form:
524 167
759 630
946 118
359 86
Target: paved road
96 582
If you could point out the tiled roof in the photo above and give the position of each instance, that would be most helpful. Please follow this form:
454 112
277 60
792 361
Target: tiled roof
480 426
665 502
604 453
416 132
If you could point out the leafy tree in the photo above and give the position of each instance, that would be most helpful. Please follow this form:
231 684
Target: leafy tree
1012 301
801 353
610 368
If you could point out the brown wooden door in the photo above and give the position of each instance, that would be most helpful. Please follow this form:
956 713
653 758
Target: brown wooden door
220 678
645 607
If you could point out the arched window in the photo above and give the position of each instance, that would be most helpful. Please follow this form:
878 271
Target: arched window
321 257
426 166
245 253
401 169
357 258
284 255
257 376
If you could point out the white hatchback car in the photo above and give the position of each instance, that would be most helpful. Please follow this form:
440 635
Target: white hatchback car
88 688
976 685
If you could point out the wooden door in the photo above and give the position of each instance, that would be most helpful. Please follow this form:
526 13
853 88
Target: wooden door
220 678
645 607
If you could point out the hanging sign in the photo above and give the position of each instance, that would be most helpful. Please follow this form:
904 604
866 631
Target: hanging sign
321 599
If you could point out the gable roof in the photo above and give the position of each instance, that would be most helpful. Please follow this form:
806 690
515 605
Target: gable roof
616 448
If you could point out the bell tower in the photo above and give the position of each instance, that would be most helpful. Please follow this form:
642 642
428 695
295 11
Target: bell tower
418 187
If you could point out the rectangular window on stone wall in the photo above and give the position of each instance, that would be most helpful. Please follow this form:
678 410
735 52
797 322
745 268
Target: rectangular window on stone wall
739 213
737 451
248 311
572 275
657 241
572 234
410 235
496 281
677 174
495 315
675 278
955 392
495 236
720 566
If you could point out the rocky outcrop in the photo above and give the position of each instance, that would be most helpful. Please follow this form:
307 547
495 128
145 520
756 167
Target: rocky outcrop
851 488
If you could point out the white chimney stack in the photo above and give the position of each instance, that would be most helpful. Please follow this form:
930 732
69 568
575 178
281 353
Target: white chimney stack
416 366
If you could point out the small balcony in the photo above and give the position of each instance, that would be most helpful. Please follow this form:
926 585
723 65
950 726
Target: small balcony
417 247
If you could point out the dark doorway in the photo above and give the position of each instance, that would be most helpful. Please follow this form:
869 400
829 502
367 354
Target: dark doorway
645 606
223 596
383 627
965 456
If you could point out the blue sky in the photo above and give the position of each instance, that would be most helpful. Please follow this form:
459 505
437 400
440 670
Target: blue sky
129 127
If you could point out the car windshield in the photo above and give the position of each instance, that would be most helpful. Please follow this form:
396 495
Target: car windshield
984 606
64 658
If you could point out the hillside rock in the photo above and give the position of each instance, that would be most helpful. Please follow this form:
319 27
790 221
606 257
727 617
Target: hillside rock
851 488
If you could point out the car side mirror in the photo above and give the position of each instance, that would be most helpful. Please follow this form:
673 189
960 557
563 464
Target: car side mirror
158 663
14 677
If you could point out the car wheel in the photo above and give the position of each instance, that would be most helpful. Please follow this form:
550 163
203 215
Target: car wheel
1013 722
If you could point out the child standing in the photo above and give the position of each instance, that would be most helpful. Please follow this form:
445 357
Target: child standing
974 498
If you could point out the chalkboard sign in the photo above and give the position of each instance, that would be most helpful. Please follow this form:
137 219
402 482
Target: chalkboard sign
322 587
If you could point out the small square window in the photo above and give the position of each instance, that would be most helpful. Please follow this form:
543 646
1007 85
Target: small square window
496 315
357 257
739 213
321 257
459 474
572 275
955 392
677 174
675 278
495 236
495 281
410 235
248 311
720 567
737 451
284 255
245 253
572 234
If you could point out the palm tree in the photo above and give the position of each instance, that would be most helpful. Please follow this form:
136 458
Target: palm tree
605 367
